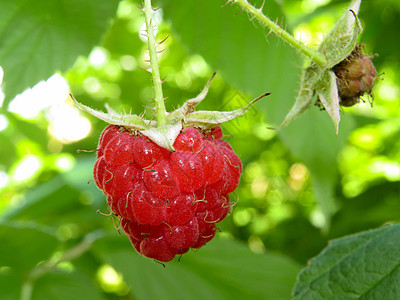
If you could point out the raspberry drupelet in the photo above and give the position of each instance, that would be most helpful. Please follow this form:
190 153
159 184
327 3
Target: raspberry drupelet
167 202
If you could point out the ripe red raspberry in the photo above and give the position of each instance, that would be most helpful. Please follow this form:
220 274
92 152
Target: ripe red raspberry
167 202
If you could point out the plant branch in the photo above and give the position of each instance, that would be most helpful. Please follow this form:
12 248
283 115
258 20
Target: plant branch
74 252
155 70
317 57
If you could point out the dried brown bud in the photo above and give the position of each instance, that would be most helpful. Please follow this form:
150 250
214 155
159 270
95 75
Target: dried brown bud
355 77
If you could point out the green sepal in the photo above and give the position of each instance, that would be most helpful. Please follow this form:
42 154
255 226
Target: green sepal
336 47
329 97
305 95
342 39
134 122
184 116
210 119
164 137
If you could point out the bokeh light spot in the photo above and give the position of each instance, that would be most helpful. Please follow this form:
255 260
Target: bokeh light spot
43 95
67 124
27 168
3 122
111 281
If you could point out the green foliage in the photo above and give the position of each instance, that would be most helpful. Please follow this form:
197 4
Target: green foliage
223 269
238 49
65 285
301 186
41 37
15 254
362 266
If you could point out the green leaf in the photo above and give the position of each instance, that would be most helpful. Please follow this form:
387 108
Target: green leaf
39 38
26 244
7 151
62 285
360 266
10 284
230 43
223 269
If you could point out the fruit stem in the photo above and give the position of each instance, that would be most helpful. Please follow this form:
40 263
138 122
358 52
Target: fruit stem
154 67
317 57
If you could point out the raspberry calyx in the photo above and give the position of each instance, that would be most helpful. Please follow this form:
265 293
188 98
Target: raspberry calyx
165 135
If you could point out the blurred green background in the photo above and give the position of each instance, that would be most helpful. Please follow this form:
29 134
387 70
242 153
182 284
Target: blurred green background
301 185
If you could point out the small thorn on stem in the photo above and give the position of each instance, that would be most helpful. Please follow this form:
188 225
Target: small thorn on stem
149 107
239 12
144 69
159 43
262 6
226 3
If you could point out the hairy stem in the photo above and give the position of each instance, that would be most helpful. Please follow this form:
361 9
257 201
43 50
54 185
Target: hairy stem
317 57
155 70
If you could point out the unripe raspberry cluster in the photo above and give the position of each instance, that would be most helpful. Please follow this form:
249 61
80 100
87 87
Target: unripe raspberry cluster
167 202
355 76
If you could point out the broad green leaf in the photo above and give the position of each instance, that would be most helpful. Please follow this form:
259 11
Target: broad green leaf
360 266
370 213
230 43
65 286
221 270
239 50
7 151
26 244
28 129
39 38
77 199
10 284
